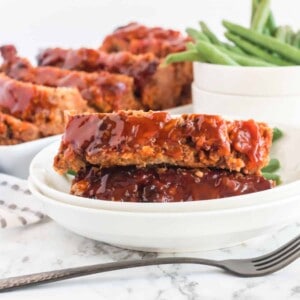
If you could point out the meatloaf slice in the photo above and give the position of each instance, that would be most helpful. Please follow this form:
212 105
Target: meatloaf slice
164 184
42 106
147 138
140 67
137 39
14 131
104 91
157 86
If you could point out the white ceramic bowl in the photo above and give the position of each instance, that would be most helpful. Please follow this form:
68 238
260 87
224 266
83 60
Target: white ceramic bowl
283 109
171 232
247 81
286 150
15 159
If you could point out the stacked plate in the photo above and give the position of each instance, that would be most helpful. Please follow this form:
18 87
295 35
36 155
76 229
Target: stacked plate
184 226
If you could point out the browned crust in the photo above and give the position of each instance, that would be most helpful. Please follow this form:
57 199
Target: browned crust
14 131
42 106
189 140
159 87
104 91
138 39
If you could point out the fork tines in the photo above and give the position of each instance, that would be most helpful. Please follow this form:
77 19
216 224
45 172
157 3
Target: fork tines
280 257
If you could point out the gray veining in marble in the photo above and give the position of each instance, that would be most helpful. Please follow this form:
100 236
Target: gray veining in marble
48 246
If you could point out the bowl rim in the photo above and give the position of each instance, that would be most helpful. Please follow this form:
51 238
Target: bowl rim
36 192
31 143
238 96
250 68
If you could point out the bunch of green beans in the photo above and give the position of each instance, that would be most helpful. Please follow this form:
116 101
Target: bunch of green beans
263 44
274 165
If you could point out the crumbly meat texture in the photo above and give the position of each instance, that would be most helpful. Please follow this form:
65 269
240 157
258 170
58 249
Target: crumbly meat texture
147 138
164 184
104 91
159 87
42 106
140 67
138 39
14 131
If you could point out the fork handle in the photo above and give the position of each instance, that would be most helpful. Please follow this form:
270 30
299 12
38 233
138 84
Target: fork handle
13 283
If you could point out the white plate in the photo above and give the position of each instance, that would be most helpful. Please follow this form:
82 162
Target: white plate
15 159
171 232
286 150
18 208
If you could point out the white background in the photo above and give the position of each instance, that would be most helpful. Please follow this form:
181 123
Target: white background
34 24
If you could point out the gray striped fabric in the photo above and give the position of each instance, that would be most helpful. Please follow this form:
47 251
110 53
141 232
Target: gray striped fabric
18 207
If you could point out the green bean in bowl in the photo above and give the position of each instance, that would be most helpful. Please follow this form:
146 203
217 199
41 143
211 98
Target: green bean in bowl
263 44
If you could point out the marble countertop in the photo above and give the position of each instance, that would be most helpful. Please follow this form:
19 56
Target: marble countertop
47 246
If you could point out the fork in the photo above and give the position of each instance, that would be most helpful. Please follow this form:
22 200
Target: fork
251 267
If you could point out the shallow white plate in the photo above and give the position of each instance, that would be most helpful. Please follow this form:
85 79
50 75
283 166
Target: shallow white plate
172 231
286 150
15 159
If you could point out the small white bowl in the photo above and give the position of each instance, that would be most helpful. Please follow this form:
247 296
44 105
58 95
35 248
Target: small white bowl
247 81
171 232
15 159
282 109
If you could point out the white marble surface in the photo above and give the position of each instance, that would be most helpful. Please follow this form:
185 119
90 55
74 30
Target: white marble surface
47 246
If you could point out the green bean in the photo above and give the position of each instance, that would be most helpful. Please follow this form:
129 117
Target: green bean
254 7
211 36
289 35
256 51
280 33
296 40
189 55
190 46
244 59
266 31
196 35
289 52
233 48
71 172
271 176
277 134
272 166
271 23
261 16
213 55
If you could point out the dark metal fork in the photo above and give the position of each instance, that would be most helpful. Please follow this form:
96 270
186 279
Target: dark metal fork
251 267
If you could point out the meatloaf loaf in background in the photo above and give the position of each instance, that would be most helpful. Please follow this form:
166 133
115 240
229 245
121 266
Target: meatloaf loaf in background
104 91
40 105
14 131
157 86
